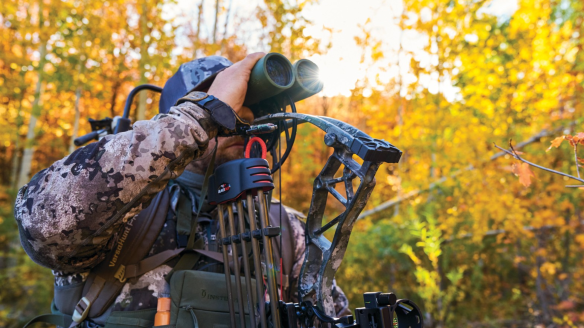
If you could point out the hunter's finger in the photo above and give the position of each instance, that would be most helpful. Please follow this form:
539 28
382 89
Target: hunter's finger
251 59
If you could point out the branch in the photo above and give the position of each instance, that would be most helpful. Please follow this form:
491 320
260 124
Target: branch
516 156
576 160
399 199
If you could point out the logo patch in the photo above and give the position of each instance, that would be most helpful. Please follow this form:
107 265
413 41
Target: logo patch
208 296
223 188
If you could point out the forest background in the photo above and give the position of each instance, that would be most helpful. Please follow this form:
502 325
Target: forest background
450 226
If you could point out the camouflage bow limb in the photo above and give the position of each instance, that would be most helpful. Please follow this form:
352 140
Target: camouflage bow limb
323 257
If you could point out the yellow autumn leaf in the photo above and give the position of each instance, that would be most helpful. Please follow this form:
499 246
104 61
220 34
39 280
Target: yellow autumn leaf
556 142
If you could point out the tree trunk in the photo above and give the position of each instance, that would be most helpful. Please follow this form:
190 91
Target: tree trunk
115 89
224 38
76 122
80 71
216 21
197 42
142 98
23 177
400 109
440 300
540 284
564 294
141 115
15 153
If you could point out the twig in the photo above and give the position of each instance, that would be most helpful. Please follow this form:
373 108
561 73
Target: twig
516 156
576 159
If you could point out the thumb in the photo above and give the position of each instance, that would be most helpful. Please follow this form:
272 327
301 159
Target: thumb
250 60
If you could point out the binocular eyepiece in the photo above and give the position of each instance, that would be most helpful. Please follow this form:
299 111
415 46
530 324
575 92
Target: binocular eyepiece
274 76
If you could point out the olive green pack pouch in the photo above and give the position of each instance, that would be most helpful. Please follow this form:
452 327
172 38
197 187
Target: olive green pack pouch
199 300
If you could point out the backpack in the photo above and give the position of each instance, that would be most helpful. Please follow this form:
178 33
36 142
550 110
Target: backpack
94 297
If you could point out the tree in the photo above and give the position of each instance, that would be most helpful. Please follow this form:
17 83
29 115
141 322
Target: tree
36 105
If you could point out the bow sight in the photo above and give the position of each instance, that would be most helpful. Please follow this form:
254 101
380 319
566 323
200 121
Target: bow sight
274 86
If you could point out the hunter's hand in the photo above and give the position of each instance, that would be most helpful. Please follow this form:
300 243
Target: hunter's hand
230 86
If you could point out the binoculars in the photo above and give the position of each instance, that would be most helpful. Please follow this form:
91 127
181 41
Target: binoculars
273 79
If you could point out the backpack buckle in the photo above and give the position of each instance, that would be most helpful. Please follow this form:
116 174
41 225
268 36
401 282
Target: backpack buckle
81 310
121 273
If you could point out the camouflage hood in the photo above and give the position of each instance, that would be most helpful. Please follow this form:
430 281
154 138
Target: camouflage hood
197 74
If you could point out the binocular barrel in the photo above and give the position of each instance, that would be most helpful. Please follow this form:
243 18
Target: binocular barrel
274 75
307 81
270 76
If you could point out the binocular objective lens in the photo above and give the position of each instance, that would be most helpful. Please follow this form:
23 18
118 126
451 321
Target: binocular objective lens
308 75
279 71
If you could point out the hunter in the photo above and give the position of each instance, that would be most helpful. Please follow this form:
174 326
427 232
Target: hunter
75 213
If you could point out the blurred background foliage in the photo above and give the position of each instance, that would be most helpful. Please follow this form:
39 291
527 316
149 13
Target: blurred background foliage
449 226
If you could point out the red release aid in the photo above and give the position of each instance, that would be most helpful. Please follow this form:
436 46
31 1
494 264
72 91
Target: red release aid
251 142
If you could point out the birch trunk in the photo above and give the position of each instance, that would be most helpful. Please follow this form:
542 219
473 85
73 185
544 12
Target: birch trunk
216 20
225 26
27 156
15 153
400 110
80 72
141 115
76 123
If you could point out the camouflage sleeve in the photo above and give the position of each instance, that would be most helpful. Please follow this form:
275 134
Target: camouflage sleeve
68 213
299 228
341 301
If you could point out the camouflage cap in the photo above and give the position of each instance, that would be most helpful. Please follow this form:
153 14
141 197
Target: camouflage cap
197 74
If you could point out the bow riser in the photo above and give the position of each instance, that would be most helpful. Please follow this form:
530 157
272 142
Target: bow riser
324 257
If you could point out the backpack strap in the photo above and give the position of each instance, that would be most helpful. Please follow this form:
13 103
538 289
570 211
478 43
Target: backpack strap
151 263
184 222
59 320
185 219
187 224
106 280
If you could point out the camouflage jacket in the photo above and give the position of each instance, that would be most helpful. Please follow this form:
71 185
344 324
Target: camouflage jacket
70 215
